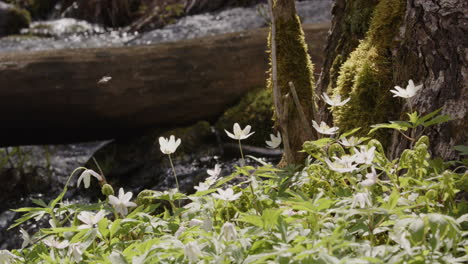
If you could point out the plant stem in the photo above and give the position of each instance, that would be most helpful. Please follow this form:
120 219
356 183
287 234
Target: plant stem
242 154
407 137
173 170
255 202
228 217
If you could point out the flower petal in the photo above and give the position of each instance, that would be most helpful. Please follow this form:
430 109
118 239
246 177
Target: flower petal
121 193
237 130
230 135
113 200
95 175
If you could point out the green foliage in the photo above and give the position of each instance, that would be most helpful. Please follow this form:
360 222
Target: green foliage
410 213
415 122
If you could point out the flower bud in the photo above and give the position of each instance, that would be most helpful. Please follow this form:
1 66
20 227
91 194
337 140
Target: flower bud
228 231
145 197
195 222
107 190
336 150
192 251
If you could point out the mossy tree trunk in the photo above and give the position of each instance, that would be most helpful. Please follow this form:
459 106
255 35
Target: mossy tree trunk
291 63
351 19
433 50
387 43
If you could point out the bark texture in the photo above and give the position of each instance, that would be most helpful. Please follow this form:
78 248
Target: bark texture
293 65
351 19
433 50
55 97
429 46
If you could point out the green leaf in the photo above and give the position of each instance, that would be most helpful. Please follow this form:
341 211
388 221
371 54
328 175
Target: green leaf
224 180
402 124
267 220
203 193
39 202
59 230
103 227
462 148
349 133
322 142
427 117
392 125
115 227
413 117
36 215
59 198
437 120
283 228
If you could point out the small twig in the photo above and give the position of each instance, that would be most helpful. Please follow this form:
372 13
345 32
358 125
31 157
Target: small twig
284 128
274 66
407 137
100 171
300 109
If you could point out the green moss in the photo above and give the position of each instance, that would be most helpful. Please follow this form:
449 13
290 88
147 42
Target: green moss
354 26
367 75
16 20
37 8
254 109
358 16
293 63
192 138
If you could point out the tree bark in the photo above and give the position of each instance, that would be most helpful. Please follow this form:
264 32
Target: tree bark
430 47
350 23
54 96
433 50
293 65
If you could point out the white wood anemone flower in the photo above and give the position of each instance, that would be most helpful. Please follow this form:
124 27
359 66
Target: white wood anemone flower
86 177
371 179
75 252
51 242
335 100
226 195
122 203
8 257
362 200
345 164
275 141
169 146
239 133
214 173
228 231
365 156
409 92
351 142
26 239
324 128
90 219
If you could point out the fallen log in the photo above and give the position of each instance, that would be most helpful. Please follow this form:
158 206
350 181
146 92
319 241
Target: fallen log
51 97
